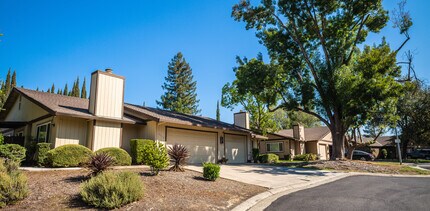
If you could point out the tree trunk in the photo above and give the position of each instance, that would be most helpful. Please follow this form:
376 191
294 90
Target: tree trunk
338 135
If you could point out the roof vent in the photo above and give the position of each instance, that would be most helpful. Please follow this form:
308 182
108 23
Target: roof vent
108 70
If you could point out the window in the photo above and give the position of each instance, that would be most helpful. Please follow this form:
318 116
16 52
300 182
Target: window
43 133
274 147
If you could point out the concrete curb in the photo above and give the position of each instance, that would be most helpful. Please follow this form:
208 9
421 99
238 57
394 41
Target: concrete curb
263 200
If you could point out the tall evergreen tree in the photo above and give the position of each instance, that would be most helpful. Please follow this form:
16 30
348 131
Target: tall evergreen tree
66 90
84 90
8 84
53 88
180 88
59 92
13 83
218 115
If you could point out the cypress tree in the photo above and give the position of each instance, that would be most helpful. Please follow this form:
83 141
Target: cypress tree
180 88
49 90
53 88
13 83
66 90
218 115
84 90
37 89
8 84
59 92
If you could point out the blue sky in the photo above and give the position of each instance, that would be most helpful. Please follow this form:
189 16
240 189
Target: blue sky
55 41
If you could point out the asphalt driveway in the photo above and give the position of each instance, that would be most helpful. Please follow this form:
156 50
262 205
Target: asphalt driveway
268 175
361 193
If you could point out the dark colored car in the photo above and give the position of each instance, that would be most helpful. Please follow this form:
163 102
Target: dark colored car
362 155
419 154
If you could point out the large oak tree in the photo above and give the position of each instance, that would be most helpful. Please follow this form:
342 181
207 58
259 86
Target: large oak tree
322 71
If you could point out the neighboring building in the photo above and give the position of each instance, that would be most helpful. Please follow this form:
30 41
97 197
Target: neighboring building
382 142
299 140
104 120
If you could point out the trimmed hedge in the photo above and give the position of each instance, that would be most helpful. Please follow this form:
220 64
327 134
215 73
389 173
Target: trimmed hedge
41 155
13 183
13 152
136 149
155 155
269 158
120 156
112 189
306 157
211 171
69 155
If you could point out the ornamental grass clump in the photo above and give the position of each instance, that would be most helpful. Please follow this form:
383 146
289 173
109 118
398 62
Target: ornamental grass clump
13 183
110 190
100 162
179 155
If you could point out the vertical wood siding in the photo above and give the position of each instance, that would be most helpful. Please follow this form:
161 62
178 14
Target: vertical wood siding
109 96
24 110
70 131
106 134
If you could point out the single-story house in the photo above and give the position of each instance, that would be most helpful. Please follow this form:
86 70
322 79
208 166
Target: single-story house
382 142
104 120
297 141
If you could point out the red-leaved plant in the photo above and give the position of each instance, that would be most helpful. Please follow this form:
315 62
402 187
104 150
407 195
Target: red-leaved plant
178 154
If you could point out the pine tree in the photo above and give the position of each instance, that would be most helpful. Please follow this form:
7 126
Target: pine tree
49 90
13 83
218 115
37 89
53 88
66 90
8 84
84 90
180 88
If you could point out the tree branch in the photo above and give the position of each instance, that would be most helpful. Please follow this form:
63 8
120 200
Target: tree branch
363 20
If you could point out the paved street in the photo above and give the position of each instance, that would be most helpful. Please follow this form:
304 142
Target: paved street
361 193
424 165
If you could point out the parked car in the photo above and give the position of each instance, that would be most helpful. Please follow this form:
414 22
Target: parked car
362 155
419 154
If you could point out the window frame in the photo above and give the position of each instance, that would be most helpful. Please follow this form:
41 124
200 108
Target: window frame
48 131
280 146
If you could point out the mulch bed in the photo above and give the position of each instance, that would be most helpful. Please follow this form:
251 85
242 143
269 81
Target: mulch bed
58 190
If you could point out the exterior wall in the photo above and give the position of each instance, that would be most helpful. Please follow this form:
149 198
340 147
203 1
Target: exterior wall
161 133
130 132
299 132
71 131
288 148
107 95
32 129
106 134
312 147
24 110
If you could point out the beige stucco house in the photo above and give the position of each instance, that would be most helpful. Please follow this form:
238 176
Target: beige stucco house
299 140
104 120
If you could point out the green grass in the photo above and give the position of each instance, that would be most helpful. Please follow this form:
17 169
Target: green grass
409 170
405 160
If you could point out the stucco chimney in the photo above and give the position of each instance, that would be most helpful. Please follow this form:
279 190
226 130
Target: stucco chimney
241 119
106 94
299 131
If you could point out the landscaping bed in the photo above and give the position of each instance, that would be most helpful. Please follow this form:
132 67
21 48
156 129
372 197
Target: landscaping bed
365 166
58 190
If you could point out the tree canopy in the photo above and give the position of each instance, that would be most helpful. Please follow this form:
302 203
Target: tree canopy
319 68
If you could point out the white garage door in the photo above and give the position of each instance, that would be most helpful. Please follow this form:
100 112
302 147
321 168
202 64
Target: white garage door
235 147
323 152
201 145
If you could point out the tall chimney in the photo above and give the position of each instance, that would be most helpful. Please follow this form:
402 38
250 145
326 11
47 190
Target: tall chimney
107 94
299 131
241 119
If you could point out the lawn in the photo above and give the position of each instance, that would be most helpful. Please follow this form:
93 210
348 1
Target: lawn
58 190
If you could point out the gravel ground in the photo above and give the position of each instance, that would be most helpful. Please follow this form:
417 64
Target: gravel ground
58 190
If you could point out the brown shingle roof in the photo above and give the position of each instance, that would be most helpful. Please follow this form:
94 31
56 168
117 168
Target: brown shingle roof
311 134
179 118
78 107
381 141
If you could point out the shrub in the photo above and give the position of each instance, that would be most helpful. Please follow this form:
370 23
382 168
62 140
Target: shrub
269 158
155 155
30 147
99 163
211 171
179 154
1 139
306 157
13 184
112 189
384 153
136 149
255 154
41 153
69 155
13 152
120 156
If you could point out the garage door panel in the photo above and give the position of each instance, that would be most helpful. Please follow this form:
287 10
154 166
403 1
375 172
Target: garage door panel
323 152
235 146
201 145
